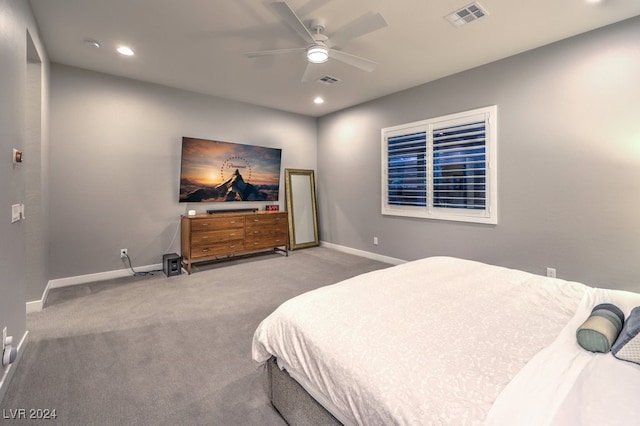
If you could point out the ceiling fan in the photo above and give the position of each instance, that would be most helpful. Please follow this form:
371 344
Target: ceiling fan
319 46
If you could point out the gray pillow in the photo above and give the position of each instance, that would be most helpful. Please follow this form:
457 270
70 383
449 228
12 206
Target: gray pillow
627 347
599 332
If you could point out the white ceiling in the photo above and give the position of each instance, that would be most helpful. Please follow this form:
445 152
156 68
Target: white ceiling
199 45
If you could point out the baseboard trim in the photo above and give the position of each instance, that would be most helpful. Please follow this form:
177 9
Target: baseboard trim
7 374
362 253
37 305
100 276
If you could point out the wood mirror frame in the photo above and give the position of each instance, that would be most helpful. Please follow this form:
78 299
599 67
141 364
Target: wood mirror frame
301 207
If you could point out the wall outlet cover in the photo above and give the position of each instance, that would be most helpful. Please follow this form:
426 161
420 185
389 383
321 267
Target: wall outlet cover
15 213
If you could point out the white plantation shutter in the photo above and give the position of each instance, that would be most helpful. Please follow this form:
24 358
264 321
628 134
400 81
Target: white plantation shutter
406 162
442 168
459 166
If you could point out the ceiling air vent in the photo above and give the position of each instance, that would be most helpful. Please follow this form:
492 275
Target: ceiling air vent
327 79
467 14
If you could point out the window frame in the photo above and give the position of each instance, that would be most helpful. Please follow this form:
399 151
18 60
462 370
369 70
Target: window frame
488 215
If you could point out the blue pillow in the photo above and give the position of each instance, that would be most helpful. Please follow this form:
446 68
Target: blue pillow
600 331
627 347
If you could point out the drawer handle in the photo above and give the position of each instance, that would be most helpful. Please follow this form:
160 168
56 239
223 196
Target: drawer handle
232 235
205 224
205 250
205 237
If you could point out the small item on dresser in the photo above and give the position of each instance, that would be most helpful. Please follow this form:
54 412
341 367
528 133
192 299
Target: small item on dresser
272 208
627 347
599 332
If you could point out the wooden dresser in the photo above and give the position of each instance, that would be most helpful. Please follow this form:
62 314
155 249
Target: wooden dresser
209 236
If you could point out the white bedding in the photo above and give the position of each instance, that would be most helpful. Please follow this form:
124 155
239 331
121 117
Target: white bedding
566 385
434 341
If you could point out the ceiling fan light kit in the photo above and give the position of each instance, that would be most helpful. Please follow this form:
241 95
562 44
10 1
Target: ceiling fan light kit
317 54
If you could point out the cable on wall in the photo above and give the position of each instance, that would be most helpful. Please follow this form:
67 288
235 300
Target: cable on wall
139 273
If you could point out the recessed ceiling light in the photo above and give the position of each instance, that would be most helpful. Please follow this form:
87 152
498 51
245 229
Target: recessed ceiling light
92 43
318 100
124 50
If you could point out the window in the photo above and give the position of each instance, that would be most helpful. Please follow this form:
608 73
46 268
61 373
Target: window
442 168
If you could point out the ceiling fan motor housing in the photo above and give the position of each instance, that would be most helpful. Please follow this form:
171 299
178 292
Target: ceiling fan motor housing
317 26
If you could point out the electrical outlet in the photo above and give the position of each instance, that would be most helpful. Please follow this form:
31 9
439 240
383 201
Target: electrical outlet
551 272
375 241
4 338
123 253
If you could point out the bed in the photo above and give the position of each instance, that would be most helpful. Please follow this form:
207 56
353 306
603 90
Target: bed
446 341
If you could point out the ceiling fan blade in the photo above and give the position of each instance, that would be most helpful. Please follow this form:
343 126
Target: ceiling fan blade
273 52
365 24
309 72
312 6
289 16
353 60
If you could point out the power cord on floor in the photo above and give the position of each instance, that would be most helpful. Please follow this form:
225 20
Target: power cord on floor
136 273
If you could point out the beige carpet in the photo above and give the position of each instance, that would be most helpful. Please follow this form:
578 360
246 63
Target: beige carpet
157 350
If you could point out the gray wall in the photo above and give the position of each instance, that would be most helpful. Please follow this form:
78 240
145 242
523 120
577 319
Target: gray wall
115 163
569 163
16 131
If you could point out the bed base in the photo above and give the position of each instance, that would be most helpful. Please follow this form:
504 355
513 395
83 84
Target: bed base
294 404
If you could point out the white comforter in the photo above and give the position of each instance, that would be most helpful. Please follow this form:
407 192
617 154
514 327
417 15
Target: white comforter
434 341
566 385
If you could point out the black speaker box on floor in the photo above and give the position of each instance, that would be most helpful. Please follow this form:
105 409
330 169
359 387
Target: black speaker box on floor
171 264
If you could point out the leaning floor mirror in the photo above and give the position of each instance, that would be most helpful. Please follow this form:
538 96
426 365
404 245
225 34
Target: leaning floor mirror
301 206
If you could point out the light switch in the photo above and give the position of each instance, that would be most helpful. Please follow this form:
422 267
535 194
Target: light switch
15 213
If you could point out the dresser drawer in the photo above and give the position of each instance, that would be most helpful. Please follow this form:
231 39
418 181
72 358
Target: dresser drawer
210 236
219 249
263 231
267 220
212 223
265 242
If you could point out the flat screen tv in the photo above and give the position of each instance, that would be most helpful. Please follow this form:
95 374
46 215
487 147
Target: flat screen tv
215 171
